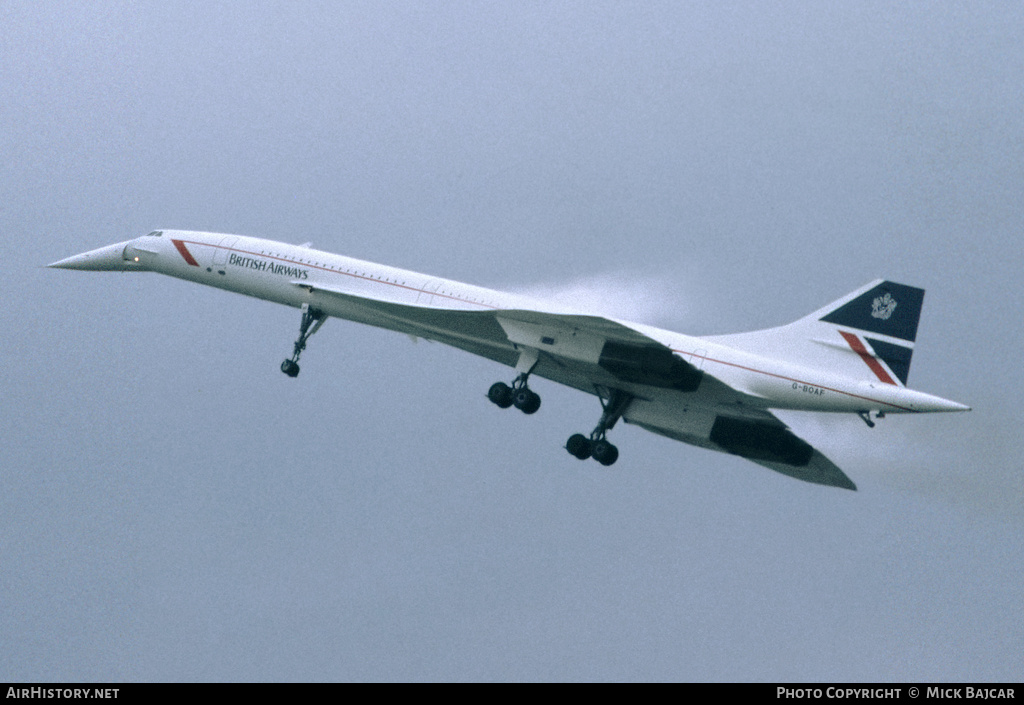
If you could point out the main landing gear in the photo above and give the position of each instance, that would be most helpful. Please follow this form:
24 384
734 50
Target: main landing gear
614 402
518 395
597 446
312 319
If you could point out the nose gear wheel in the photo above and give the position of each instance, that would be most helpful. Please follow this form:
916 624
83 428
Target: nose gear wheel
312 319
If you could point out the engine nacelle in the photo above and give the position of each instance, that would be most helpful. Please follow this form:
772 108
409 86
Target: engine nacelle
757 440
649 364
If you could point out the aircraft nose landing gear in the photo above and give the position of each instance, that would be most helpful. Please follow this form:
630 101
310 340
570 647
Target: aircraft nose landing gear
312 319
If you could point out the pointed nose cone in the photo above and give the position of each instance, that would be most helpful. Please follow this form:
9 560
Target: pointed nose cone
105 259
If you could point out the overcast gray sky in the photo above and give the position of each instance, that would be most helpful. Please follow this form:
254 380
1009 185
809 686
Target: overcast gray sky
174 508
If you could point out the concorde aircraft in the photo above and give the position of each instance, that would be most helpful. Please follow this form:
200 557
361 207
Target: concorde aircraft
716 392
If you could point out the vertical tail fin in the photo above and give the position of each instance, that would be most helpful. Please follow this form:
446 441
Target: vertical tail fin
882 307
869 333
884 317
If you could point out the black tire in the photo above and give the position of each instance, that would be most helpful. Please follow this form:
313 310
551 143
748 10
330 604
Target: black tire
526 400
578 446
500 395
290 368
604 452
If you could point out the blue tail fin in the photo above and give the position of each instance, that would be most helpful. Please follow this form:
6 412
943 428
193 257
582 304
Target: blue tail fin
869 333
887 308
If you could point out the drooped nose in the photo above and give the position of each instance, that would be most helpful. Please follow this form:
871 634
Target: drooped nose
112 258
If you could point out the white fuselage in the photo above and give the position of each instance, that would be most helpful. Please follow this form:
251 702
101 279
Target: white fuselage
296 275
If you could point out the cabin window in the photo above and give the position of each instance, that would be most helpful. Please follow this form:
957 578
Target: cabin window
156 233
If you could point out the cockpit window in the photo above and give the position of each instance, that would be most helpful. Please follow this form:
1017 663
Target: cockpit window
156 233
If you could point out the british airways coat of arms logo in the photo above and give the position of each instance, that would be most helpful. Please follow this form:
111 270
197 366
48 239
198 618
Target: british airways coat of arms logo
883 306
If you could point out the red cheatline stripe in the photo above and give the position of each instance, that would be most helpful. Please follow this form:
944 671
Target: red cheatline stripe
185 253
794 379
867 357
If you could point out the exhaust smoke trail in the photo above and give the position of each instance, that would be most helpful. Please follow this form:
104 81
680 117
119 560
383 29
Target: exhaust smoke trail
920 458
655 299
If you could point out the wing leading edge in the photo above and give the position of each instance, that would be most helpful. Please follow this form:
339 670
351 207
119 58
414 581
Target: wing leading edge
671 397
